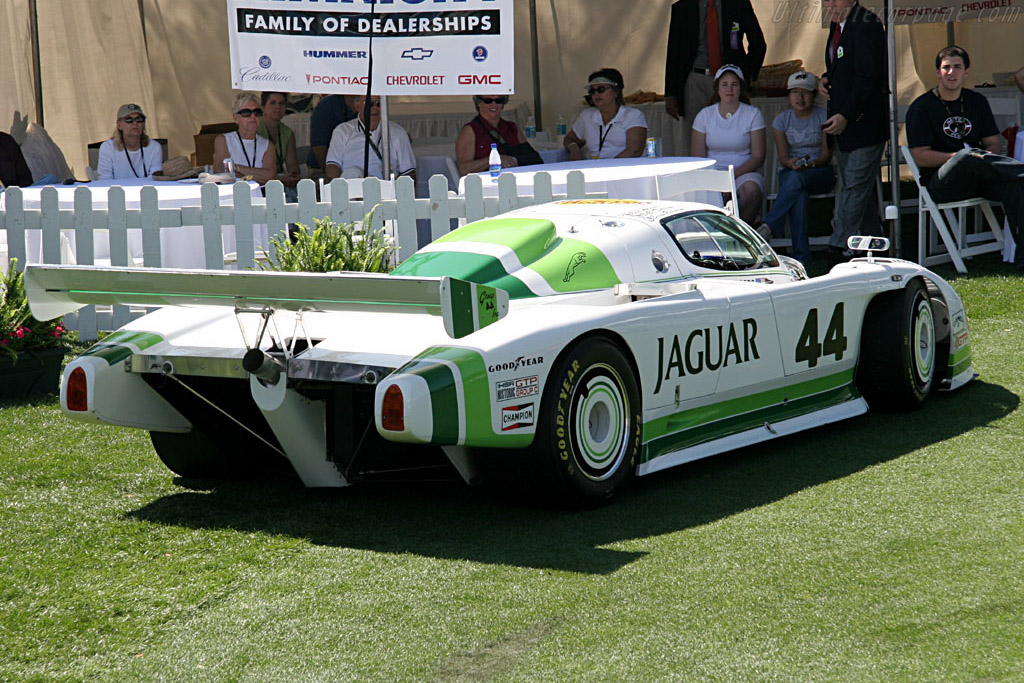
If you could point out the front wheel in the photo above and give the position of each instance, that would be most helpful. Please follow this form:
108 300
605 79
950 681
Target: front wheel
898 349
588 435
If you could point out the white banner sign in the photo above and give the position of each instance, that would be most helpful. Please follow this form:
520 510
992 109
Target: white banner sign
444 47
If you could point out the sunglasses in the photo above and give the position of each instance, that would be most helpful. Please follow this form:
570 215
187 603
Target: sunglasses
598 89
134 119
494 100
246 113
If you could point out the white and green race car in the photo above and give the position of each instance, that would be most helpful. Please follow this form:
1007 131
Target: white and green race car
577 343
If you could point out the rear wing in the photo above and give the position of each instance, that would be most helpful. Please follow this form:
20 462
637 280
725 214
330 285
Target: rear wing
465 306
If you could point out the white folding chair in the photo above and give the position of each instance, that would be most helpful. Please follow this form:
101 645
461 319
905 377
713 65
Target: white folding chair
700 182
950 222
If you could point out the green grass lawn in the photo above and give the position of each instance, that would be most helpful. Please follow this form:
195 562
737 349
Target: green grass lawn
890 547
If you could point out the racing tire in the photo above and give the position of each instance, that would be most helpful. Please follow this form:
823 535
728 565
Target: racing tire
588 433
194 455
899 350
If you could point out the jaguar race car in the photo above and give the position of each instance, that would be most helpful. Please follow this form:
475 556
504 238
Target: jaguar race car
579 342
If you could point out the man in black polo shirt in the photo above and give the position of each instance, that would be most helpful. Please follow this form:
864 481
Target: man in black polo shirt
955 142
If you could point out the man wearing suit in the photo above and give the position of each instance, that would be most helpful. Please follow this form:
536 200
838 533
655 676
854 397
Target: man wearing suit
695 53
854 83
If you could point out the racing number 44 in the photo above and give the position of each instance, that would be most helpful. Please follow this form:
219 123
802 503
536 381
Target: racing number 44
833 342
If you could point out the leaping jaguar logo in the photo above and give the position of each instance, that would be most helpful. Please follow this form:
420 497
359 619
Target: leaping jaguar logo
579 258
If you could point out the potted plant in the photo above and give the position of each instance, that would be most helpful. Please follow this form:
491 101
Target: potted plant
332 246
31 351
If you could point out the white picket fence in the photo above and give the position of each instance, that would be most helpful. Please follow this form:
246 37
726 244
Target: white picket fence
398 215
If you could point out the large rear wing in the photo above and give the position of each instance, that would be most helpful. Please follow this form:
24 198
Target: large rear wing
465 306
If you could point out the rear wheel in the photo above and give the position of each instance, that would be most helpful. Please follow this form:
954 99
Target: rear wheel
193 455
898 349
588 435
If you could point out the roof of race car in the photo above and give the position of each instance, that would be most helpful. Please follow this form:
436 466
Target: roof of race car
560 247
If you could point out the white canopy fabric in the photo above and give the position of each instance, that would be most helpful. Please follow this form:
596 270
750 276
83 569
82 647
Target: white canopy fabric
171 58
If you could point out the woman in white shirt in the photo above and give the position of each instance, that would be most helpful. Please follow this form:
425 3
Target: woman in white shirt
732 132
609 129
253 155
130 153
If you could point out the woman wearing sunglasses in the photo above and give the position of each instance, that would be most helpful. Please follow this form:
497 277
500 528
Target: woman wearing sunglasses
252 155
473 146
609 129
130 153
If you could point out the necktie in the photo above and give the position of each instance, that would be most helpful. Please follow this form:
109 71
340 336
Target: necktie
714 48
835 40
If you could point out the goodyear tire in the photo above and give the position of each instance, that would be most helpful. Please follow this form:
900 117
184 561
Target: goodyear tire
588 435
195 455
899 351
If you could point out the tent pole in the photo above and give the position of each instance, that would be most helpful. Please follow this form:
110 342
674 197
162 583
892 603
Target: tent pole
33 14
894 149
534 53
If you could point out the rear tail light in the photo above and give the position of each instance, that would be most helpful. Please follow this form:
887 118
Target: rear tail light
78 391
393 410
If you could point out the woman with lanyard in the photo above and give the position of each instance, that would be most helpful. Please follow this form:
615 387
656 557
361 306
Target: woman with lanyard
129 153
609 129
473 146
252 155
283 140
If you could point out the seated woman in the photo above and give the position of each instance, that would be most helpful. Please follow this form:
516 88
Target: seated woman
731 131
252 155
805 158
609 129
473 146
282 139
129 153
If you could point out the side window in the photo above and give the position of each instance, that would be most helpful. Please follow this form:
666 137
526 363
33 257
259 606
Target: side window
713 240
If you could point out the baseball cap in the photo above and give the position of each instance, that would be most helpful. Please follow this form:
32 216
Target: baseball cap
127 109
729 67
802 80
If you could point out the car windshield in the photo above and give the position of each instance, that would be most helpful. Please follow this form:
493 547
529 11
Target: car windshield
714 240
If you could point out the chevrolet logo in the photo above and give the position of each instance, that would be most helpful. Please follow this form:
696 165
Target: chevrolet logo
417 53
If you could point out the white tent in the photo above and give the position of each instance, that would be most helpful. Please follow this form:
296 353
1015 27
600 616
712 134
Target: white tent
171 57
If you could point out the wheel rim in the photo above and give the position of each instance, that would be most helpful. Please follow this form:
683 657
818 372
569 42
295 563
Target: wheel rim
923 342
599 417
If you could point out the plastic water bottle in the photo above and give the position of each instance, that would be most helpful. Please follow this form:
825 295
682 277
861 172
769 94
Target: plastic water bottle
229 166
560 127
531 128
495 161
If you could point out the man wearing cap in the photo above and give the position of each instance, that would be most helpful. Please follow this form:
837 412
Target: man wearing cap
702 36
955 141
806 164
855 85
129 153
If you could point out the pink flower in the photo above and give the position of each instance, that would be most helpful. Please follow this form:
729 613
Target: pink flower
20 334
56 333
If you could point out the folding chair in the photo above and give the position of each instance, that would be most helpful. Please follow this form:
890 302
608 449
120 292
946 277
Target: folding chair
950 222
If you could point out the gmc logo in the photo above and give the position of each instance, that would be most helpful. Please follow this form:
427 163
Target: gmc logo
474 79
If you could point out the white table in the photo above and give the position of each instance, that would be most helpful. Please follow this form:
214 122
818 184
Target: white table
439 159
179 247
620 178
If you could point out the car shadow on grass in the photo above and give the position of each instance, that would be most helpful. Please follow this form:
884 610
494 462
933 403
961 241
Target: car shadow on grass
449 520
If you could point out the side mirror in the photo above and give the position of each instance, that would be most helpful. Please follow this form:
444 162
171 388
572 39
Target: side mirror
861 243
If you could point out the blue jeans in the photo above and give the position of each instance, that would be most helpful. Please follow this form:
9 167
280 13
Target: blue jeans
857 203
792 199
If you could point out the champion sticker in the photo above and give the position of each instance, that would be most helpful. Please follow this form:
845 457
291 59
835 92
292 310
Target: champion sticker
516 417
